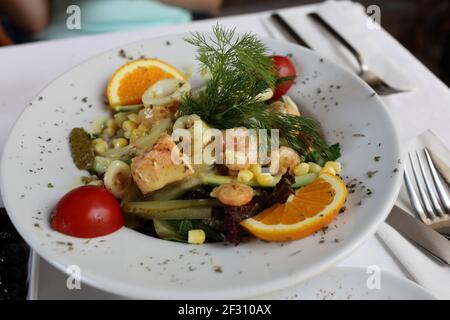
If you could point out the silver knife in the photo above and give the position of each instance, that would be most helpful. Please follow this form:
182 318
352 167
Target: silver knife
289 30
419 233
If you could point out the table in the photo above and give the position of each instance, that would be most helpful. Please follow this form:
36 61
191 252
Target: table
26 69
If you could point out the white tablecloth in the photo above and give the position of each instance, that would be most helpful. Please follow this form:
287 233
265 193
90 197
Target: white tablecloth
26 69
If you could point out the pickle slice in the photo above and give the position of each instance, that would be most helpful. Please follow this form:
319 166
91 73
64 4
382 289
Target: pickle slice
81 149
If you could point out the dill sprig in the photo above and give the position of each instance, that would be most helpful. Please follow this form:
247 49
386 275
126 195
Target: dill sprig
239 69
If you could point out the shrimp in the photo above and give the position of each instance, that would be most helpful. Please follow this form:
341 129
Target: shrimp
239 140
233 194
283 159
287 106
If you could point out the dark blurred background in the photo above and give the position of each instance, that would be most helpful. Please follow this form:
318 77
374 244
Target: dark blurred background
422 26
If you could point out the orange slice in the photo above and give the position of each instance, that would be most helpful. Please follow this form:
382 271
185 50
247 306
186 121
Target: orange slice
309 210
129 82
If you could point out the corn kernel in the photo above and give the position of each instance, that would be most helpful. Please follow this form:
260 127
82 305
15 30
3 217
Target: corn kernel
111 123
255 168
119 143
142 127
129 125
314 167
138 132
301 169
100 146
196 236
108 132
134 117
245 176
133 135
335 165
328 170
264 180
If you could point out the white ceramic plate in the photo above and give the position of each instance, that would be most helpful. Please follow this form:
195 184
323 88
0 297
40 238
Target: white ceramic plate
343 283
37 170
338 283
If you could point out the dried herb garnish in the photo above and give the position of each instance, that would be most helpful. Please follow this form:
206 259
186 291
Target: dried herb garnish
370 174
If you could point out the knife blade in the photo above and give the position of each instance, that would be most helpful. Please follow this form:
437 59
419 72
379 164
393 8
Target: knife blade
419 233
289 30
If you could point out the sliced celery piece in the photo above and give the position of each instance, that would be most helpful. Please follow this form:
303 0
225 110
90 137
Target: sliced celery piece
147 141
175 190
157 206
176 214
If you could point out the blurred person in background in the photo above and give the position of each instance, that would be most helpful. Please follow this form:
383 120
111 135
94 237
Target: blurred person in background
23 20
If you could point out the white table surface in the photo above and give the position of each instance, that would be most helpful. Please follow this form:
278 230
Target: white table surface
26 69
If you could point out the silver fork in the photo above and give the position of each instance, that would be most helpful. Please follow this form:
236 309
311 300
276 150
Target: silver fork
432 202
377 84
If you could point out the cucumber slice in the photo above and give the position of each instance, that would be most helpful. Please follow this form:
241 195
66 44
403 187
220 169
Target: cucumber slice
177 214
129 108
301 181
216 180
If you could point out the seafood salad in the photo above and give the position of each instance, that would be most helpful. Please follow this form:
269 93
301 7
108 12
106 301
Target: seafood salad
232 158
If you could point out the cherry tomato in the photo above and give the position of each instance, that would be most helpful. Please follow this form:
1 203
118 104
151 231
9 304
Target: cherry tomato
285 75
87 212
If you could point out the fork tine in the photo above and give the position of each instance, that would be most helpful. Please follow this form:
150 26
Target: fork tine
421 188
443 193
383 89
430 190
413 196
378 85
